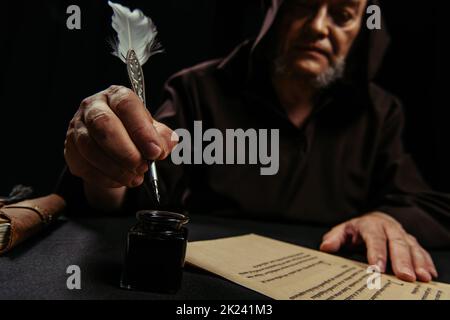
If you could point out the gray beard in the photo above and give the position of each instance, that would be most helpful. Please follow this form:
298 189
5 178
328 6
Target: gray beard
323 80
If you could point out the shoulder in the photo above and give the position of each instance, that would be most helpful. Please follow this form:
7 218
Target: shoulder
203 72
231 68
185 91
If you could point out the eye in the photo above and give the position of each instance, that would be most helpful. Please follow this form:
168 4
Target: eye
343 17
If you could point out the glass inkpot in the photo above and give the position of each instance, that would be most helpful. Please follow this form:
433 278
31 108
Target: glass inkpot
155 252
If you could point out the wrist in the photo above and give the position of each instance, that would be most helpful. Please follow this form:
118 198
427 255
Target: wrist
105 199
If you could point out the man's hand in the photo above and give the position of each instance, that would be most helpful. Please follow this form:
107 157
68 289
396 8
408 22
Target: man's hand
111 138
383 235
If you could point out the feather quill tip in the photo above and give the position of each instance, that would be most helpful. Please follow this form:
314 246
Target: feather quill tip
135 31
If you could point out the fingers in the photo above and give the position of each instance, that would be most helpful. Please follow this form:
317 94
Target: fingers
169 137
109 133
336 238
431 264
423 264
111 138
381 232
419 263
81 168
375 239
410 262
98 159
400 253
139 124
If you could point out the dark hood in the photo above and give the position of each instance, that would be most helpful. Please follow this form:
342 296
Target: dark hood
364 60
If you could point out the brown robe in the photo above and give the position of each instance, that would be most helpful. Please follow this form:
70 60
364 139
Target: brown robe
347 160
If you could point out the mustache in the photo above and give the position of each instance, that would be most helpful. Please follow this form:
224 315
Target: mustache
298 46
282 66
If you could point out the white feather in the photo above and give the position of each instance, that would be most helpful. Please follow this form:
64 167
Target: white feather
135 31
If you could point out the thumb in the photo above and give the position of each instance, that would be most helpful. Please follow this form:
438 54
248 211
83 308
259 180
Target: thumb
335 239
169 138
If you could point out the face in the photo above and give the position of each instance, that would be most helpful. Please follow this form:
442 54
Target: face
315 36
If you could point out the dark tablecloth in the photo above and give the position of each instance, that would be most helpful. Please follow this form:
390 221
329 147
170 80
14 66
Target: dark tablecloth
37 269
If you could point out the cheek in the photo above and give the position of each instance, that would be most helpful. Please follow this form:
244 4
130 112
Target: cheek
342 42
291 34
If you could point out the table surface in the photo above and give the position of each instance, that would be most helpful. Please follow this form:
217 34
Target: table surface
37 268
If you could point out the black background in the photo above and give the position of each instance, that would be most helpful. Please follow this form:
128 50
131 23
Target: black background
46 70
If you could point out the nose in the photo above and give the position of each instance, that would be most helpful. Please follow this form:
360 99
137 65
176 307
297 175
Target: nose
318 23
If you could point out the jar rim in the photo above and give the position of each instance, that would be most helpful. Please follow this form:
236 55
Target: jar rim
162 218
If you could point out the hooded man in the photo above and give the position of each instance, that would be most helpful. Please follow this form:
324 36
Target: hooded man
308 74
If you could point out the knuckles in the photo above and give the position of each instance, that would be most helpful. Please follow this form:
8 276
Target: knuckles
134 159
120 98
85 103
83 141
139 131
100 125
117 90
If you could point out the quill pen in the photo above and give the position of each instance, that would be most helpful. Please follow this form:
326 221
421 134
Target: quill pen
136 42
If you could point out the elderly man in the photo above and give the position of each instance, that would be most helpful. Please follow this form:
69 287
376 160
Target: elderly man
309 74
